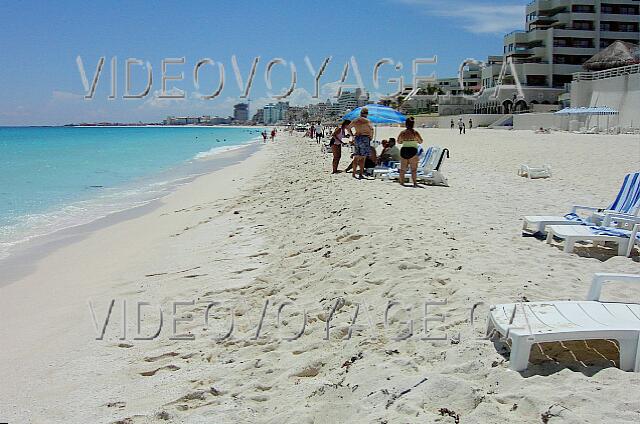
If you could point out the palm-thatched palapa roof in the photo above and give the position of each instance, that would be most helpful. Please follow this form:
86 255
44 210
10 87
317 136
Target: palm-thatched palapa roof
619 53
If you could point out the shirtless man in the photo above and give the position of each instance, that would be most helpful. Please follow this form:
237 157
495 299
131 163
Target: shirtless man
363 135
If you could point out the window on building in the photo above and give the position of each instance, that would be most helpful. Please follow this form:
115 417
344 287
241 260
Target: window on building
560 42
583 25
583 43
605 26
537 80
628 27
628 10
569 59
559 81
606 8
582 8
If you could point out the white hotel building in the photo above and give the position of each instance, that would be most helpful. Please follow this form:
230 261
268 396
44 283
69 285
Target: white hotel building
560 36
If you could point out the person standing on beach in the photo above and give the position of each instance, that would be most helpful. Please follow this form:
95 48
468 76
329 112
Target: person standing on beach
452 124
363 135
460 124
336 143
273 135
264 136
409 139
318 131
470 123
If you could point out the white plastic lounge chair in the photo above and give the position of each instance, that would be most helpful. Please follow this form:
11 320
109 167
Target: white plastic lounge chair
617 229
533 172
381 171
626 202
526 324
430 173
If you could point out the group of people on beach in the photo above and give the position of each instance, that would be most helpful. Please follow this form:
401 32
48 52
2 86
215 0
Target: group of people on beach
316 132
359 134
274 132
461 125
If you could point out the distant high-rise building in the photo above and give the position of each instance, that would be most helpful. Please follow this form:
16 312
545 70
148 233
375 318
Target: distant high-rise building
241 112
294 114
349 100
273 113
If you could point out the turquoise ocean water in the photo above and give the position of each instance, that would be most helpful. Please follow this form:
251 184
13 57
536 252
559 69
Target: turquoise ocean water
55 178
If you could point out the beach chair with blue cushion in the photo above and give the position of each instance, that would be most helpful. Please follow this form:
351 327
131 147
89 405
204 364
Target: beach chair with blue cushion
529 323
430 173
626 202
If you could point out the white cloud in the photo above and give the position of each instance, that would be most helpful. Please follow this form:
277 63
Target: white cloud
330 90
155 101
300 97
479 17
61 96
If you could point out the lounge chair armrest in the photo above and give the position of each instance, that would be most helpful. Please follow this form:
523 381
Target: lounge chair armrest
621 217
575 208
601 277
620 214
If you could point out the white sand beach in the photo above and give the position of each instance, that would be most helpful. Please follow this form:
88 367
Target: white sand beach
277 234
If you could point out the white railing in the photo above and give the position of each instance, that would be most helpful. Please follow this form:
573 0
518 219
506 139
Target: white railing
607 73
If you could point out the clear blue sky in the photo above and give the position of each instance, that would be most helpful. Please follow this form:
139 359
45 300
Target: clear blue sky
39 42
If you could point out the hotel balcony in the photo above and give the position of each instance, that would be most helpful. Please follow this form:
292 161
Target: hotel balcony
516 37
573 33
619 18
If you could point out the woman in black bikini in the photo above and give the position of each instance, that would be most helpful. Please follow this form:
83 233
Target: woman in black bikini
409 140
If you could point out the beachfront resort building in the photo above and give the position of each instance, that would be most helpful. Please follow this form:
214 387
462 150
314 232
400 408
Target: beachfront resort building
274 112
319 111
196 120
471 81
295 114
348 100
559 36
241 112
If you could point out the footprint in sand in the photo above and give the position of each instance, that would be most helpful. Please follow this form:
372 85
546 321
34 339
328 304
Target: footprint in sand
310 370
153 372
352 237
196 399
163 356
244 270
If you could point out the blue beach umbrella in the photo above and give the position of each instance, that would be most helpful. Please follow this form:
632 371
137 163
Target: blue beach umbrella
378 114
